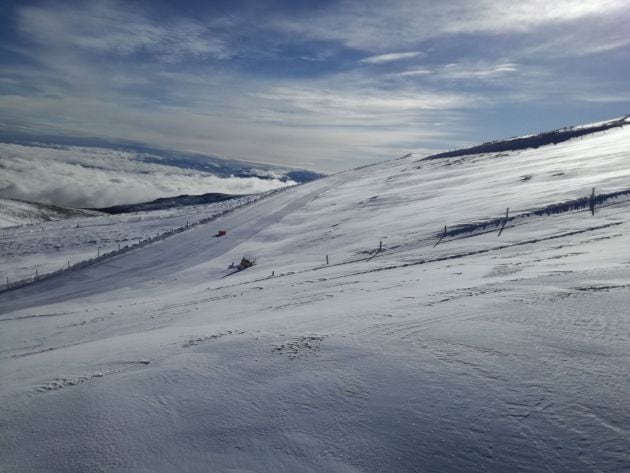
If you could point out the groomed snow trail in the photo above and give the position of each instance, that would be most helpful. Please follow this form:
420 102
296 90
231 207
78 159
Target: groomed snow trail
166 258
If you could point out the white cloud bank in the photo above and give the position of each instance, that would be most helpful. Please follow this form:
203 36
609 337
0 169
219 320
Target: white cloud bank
98 177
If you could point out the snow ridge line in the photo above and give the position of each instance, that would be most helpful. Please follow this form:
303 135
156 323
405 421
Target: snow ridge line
536 141
127 248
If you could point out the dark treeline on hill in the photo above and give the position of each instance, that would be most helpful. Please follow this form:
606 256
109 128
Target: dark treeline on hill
168 202
535 141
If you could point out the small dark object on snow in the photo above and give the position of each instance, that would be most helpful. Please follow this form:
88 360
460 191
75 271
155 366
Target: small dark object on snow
221 233
245 263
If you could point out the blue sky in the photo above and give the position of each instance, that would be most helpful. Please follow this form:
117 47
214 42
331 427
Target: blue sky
325 85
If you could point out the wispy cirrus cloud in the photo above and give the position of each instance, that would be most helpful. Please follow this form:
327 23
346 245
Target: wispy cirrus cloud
506 16
415 73
390 57
377 26
111 27
464 71
365 103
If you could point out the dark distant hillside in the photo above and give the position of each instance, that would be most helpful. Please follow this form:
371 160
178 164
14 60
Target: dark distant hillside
169 202
533 141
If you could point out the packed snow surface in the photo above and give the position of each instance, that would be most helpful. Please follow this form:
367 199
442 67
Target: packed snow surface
40 249
483 353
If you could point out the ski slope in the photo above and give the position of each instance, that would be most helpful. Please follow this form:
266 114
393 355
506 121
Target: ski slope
483 353
46 247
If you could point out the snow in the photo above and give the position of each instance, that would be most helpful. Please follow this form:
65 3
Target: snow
17 213
482 353
50 246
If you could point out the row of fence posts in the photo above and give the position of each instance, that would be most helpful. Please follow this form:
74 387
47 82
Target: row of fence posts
66 267
591 206
503 223
98 249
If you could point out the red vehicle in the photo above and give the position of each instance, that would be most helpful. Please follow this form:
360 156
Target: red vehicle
221 233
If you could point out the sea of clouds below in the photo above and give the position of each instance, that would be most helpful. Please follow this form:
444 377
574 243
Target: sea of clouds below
72 176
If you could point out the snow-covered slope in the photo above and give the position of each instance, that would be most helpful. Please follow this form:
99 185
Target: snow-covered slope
481 353
36 250
17 212
534 141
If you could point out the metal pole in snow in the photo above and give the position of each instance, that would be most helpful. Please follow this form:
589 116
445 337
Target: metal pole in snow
380 245
326 259
507 211
441 237
36 275
591 202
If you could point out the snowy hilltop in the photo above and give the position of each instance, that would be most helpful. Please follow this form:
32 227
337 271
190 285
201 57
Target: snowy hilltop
454 313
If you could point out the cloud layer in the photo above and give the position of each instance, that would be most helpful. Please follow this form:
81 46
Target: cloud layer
98 177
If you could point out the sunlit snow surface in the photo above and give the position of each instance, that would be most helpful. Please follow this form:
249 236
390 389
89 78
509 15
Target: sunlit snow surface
45 247
483 353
